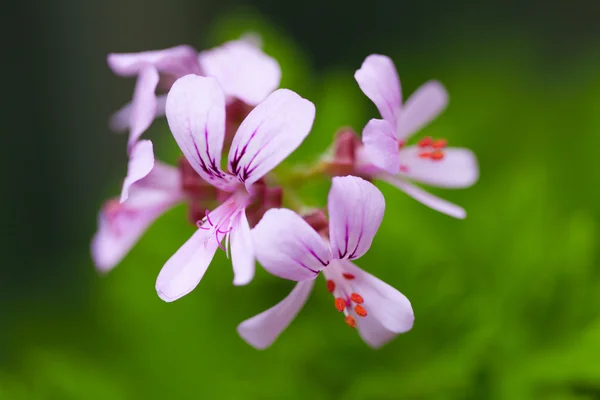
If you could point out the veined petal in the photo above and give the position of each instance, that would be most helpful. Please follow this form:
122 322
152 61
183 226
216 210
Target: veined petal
388 306
458 168
261 330
196 114
272 130
242 251
378 79
424 197
243 70
141 162
184 270
143 105
288 247
119 121
178 60
424 105
355 209
381 145
121 225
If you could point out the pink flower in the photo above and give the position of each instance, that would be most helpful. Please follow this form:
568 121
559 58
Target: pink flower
122 223
195 110
385 154
244 71
288 247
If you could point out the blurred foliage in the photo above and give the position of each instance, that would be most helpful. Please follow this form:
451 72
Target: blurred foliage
506 301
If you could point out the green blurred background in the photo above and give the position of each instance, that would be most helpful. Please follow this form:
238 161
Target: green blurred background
507 302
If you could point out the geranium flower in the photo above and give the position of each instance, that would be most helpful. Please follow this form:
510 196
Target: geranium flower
288 247
386 155
195 110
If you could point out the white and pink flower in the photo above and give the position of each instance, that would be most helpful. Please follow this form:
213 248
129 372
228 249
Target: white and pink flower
387 156
288 247
195 110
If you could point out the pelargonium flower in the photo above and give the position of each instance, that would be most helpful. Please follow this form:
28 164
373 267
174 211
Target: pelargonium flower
386 155
240 66
288 247
195 110
123 221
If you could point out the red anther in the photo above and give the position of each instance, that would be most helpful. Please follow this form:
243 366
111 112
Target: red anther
360 311
439 144
401 144
340 304
330 285
350 321
348 276
424 154
357 298
426 141
437 155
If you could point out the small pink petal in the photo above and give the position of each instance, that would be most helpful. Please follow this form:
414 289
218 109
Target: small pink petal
288 247
143 105
178 60
381 145
141 162
388 306
424 197
458 168
355 209
271 132
378 79
119 121
196 114
242 251
242 69
261 330
426 103
184 270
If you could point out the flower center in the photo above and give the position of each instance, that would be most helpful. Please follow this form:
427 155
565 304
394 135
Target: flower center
220 221
346 300
432 149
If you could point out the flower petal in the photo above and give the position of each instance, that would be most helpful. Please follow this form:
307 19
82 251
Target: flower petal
272 130
196 114
355 209
242 251
121 225
178 60
261 330
141 162
288 247
381 145
424 105
458 168
373 333
378 79
119 121
384 303
424 197
184 270
143 104
242 69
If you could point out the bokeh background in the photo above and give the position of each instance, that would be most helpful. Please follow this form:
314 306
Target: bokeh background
507 302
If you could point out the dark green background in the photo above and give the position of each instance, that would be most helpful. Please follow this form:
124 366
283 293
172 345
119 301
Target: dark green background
506 302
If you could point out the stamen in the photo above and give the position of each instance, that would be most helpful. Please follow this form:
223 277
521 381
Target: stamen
425 142
350 321
425 154
439 144
360 310
348 276
401 144
340 304
437 155
199 225
330 285
404 168
357 298
208 218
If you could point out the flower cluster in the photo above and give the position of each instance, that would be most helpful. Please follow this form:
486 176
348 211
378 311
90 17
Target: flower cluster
227 98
